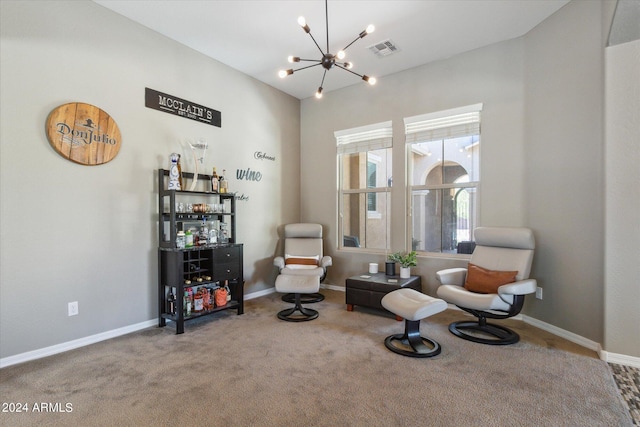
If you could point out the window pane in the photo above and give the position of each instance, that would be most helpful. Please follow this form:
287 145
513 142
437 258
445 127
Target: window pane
442 219
364 228
368 169
460 158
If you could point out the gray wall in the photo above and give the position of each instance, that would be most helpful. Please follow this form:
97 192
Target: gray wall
541 163
89 234
622 154
564 113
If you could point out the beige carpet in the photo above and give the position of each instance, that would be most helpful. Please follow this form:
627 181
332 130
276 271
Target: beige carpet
256 370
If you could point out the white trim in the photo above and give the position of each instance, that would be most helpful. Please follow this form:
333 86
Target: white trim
70 345
584 342
443 113
620 359
92 339
606 356
261 293
368 128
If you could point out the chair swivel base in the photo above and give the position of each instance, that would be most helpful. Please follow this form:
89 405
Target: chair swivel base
496 335
289 314
411 344
304 299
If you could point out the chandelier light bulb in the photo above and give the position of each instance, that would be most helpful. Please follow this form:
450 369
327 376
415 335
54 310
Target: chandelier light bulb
370 80
319 93
293 59
284 73
301 21
341 54
370 29
348 65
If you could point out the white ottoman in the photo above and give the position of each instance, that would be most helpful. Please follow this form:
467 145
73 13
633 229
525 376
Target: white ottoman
297 285
413 306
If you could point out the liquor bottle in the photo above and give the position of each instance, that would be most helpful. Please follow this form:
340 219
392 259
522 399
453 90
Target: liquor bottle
187 304
204 232
188 239
215 183
226 288
171 302
224 184
180 173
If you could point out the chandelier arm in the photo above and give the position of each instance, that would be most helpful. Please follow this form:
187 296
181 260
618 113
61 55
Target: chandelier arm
310 60
345 48
323 76
308 66
317 45
346 69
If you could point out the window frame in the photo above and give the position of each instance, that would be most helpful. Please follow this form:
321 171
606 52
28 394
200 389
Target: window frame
449 129
362 139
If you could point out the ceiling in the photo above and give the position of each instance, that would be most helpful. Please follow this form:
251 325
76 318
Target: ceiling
256 36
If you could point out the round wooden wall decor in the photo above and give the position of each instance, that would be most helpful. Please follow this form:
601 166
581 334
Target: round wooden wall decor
83 133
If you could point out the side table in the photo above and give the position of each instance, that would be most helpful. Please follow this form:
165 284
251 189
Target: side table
367 290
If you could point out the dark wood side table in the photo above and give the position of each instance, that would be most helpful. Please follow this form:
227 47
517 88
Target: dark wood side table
367 290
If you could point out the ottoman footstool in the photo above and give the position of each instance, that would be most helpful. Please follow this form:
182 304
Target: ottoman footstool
297 285
413 306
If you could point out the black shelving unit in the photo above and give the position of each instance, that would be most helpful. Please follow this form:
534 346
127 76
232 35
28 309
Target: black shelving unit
208 266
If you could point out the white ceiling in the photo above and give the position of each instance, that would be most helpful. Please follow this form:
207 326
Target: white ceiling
256 36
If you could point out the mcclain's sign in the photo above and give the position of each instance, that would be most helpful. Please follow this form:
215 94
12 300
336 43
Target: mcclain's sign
181 107
83 134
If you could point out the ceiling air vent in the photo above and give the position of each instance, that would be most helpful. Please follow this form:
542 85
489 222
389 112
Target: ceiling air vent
384 48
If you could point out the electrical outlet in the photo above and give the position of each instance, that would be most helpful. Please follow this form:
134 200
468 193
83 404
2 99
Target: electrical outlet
539 292
73 308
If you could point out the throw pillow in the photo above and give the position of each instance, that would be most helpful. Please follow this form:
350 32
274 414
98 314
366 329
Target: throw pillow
485 281
301 262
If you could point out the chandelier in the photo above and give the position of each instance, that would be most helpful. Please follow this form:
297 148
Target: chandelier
328 60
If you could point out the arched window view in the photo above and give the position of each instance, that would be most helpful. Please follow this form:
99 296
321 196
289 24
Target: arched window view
444 155
444 203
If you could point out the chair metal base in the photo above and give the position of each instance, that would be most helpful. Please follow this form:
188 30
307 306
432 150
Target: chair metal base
500 334
305 299
410 343
306 314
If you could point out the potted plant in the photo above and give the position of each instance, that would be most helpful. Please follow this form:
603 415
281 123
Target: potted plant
406 261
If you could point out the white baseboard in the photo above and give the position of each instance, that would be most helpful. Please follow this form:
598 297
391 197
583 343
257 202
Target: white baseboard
584 342
81 342
70 345
620 359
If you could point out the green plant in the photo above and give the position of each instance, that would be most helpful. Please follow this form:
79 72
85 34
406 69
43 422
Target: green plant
405 260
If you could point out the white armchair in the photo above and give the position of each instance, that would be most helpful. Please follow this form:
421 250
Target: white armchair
302 267
493 286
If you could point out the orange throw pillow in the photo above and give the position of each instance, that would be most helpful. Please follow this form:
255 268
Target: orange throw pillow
485 281
301 261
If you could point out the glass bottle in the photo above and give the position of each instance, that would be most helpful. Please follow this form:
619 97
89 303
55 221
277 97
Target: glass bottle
226 288
187 304
224 184
204 232
181 240
171 302
215 184
188 243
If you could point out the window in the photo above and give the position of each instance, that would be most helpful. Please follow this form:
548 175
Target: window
364 193
443 152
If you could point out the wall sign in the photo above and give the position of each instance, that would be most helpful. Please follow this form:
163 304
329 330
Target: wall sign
83 134
181 107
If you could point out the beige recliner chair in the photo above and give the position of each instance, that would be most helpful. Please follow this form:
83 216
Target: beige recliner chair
494 284
302 268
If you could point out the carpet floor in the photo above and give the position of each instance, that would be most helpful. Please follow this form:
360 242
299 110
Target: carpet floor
256 370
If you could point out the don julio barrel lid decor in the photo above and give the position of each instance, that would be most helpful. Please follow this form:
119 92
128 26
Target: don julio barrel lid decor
83 133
